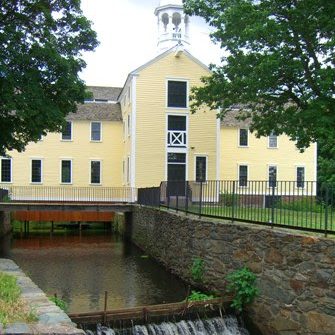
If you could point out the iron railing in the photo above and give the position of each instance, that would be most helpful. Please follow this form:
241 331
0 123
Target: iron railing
69 194
303 205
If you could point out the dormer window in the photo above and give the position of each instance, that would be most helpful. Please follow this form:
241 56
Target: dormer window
177 94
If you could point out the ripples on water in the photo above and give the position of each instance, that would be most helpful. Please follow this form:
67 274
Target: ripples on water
79 268
216 326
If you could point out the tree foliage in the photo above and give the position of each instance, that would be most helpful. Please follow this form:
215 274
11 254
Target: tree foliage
40 57
278 63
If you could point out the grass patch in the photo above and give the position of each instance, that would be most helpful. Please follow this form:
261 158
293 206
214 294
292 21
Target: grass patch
12 307
294 215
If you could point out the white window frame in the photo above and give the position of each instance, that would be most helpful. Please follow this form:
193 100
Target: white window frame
296 176
129 125
90 171
195 167
269 141
91 124
31 170
11 170
268 174
124 171
238 174
182 148
239 138
128 177
71 139
187 93
71 171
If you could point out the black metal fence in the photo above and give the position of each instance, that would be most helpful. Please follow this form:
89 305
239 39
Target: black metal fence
304 205
3 195
149 196
69 194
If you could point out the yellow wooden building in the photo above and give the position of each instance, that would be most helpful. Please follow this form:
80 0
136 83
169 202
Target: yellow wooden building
144 133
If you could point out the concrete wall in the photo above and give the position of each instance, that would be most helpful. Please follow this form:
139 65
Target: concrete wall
296 273
5 226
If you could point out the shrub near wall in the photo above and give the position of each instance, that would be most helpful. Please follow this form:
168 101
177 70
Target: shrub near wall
296 273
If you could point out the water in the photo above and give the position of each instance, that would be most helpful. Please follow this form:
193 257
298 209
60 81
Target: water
80 267
216 326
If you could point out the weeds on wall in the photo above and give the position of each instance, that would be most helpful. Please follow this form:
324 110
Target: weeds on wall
198 270
59 303
242 284
12 307
199 296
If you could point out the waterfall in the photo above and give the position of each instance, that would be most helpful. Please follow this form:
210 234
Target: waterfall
227 325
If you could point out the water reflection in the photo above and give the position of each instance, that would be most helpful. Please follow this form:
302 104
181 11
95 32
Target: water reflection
80 267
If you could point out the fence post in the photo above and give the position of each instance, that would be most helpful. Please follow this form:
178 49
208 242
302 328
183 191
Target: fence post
186 197
177 202
326 211
167 195
273 206
200 202
233 202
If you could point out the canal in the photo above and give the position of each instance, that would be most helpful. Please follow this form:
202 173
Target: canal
79 266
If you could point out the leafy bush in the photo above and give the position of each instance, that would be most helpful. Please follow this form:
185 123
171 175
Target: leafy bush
198 269
242 284
228 199
199 296
303 204
60 303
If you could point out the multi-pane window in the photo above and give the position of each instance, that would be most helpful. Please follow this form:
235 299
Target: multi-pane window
177 134
200 168
67 131
6 170
177 94
128 125
243 175
128 169
95 172
176 166
301 176
36 171
66 171
95 131
243 137
272 176
273 140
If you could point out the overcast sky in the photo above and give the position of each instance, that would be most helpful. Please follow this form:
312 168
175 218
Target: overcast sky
127 31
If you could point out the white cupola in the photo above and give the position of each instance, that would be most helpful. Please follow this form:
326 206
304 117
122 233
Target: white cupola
173 25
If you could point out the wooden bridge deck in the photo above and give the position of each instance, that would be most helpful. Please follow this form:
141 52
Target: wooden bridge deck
65 206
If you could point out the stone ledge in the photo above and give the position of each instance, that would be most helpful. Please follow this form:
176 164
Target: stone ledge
51 319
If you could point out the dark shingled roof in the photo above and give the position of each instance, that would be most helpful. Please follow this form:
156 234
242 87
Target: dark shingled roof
230 121
105 93
97 112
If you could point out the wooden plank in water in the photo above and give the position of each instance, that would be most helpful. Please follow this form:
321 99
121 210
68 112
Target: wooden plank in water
142 312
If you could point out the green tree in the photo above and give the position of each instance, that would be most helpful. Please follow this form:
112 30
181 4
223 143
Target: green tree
278 63
40 57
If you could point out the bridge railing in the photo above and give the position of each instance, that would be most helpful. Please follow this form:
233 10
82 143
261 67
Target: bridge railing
303 205
69 194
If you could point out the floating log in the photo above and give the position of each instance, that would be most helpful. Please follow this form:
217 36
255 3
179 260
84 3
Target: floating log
145 312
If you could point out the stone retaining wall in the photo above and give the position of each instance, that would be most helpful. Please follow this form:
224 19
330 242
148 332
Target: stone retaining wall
51 319
5 226
296 273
